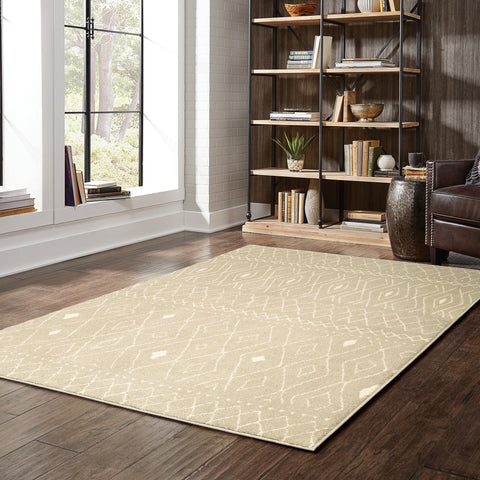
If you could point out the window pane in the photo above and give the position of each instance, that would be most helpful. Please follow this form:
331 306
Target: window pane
116 64
116 156
118 15
74 136
75 12
74 69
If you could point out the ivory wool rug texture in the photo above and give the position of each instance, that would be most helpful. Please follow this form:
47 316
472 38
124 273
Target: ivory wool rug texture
277 344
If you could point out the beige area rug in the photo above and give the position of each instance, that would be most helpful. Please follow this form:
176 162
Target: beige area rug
277 344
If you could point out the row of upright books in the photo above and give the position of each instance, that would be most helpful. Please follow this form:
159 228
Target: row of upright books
361 157
291 206
15 200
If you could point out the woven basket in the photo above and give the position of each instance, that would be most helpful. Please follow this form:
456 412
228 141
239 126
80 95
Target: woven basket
300 9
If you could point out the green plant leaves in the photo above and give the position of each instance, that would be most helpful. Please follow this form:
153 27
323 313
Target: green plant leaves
295 146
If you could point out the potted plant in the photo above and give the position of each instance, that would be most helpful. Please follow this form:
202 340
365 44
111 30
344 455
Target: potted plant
295 149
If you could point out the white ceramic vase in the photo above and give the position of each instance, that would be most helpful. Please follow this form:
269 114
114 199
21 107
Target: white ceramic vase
368 6
386 162
312 205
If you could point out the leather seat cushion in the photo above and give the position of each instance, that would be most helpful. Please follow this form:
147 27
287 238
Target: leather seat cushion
458 203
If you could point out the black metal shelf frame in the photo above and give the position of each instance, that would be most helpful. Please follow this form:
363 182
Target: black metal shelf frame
340 89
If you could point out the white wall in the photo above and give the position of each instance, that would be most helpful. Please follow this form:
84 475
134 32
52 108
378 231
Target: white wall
216 114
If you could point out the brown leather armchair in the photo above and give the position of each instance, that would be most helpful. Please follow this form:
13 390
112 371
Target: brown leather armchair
452 210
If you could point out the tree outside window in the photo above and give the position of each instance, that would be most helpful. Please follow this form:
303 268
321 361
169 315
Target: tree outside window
103 88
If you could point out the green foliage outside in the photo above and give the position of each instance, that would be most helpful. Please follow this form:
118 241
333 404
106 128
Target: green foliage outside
115 138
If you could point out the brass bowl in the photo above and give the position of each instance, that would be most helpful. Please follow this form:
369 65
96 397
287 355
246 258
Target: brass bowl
366 112
301 9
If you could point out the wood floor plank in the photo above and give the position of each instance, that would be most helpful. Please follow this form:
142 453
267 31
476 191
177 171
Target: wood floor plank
117 452
91 428
32 460
428 474
245 459
180 457
37 422
24 399
7 386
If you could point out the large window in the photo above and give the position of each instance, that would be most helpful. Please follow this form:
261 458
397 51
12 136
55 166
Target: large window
104 88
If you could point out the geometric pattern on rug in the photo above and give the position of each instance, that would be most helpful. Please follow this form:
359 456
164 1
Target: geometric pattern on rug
277 344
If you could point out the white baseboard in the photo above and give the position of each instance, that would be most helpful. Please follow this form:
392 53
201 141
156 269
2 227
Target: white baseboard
210 222
57 243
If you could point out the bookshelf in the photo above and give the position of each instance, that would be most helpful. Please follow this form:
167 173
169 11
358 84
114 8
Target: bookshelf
327 229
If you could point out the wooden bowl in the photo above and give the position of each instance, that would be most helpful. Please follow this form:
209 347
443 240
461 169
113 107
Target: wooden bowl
301 9
366 112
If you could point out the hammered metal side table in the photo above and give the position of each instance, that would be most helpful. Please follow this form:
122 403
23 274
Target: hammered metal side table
406 219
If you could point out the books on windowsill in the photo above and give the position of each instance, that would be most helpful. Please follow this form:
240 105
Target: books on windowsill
105 190
15 200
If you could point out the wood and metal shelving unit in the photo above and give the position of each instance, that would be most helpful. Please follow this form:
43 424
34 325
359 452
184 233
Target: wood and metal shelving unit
337 20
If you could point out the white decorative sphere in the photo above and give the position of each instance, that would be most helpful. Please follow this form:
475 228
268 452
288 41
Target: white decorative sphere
386 162
368 6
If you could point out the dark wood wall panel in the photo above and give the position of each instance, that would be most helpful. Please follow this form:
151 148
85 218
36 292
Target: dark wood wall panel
450 89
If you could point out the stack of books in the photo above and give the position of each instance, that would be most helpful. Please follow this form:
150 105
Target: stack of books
361 157
105 190
365 220
387 173
291 206
14 200
295 116
300 59
364 63
413 173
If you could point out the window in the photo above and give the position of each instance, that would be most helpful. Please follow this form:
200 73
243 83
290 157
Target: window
104 88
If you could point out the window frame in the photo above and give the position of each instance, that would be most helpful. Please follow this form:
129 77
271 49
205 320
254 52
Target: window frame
89 30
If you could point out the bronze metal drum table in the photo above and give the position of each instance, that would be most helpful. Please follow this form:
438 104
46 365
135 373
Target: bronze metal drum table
406 219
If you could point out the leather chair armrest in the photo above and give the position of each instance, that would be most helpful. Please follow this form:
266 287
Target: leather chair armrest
445 173
442 173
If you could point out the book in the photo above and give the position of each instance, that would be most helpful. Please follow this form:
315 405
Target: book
76 190
105 196
295 116
279 206
15 211
14 197
337 109
355 158
301 207
81 187
373 154
100 184
386 173
116 188
364 64
346 225
346 159
366 215
11 191
69 179
122 193
394 5
359 158
384 5
349 98
300 62
29 202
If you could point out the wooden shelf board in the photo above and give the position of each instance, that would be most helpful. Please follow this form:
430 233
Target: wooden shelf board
271 226
370 124
339 71
356 71
336 124
311 173
336 17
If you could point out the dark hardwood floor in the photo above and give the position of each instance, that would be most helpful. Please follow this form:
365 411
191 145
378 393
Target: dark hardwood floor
424 426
